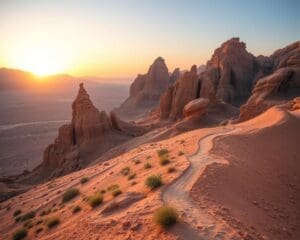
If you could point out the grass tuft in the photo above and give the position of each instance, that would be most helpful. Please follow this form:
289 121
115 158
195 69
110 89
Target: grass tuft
147 166
125 171
95 200
52 222
21 233
153 181
84 180
166 216
69 194
76 209
17 212
116 192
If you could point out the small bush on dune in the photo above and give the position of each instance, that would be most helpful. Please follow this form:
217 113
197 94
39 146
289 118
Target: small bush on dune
125 171
166 216
113 187
26 216
131 176
162 152
76 209
164 161
70 194
95 200
116 192
137 161
17 212
153 181
21 233
147 166
84 180
52 222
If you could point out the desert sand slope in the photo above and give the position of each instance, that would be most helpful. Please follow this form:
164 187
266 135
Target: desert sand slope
258 191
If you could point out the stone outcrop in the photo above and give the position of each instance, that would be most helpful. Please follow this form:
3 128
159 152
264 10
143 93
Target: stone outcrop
90 133
229 73
282 84
146 89
196 108
174 76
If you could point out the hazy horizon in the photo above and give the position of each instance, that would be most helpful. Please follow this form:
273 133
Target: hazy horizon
110 39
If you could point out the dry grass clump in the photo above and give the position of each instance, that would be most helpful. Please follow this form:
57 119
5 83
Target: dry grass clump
95 200
153 181
125 171
147 165
52 222
69 194
131 176
21 233
166 216
116 192
84 180
76 209
163 155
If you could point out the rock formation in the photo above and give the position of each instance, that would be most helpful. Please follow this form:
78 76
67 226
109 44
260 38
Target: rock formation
281 85
174 76
229 73
196 108
90 133
148 87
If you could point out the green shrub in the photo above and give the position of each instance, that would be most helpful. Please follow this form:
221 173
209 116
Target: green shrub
162 152
70 194
95 200
171 169
113 187
147 166
166 216
52 222
84 180
17 212
76 209
131 176
21 233
116 192
153 181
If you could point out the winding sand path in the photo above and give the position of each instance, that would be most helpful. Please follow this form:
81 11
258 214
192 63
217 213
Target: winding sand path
197 223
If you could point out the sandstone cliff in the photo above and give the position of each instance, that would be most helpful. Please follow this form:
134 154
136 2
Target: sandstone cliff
281 83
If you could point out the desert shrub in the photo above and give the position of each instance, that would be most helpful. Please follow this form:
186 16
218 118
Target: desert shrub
38 230
147 166
166 216
116 192
171 169
21 233
180 153
52 222
125 171
70 194
17 212
131 176
84 180
95 200
162 152
113 187
27 216
76 209
137 161
153 181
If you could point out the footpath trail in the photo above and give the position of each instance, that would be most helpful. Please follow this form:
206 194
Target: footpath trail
197 223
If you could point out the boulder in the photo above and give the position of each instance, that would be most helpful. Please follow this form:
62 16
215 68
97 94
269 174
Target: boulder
196 108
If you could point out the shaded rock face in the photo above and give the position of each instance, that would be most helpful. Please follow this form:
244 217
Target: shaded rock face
282 84
87 130
229 73
147 88
174 76
196 108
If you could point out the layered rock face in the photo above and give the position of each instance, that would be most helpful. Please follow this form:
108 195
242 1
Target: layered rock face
227 77
196 108
283 82
229 73
147 88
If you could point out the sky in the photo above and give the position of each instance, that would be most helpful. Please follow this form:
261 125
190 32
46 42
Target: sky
110 38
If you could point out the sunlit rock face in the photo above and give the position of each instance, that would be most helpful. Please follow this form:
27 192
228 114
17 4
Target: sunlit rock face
281 83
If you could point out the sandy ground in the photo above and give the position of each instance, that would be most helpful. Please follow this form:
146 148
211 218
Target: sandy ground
237 193
258 190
